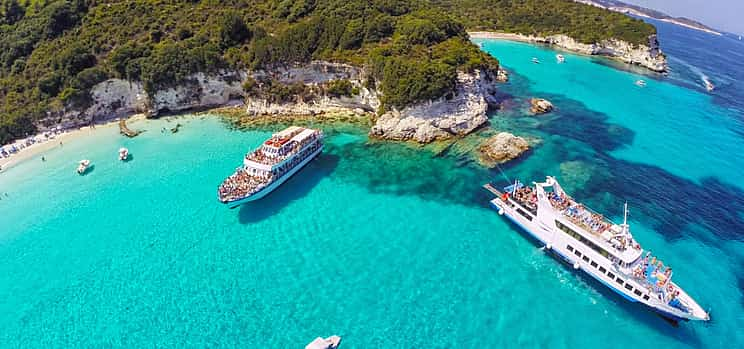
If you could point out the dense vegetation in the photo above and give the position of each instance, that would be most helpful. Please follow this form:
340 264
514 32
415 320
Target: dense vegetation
53 51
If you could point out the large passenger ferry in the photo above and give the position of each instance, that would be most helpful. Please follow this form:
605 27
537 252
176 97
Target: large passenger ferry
592 243
267 167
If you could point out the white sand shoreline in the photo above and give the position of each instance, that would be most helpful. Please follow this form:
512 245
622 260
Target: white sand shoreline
40 148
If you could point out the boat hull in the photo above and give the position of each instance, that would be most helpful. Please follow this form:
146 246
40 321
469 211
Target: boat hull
275 184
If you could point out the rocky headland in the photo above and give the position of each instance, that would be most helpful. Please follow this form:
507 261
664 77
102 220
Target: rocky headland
648 56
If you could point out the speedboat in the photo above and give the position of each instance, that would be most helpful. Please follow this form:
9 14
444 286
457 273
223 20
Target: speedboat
331 342
640 83
708 85
123 154
83 166
593 244
560 58
535 60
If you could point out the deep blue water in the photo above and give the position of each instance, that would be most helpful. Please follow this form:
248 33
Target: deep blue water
388 244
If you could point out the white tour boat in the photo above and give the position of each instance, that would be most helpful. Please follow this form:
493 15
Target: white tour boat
590 242
560 58
83 166
535 60
123 154
640 83
267 167
331 342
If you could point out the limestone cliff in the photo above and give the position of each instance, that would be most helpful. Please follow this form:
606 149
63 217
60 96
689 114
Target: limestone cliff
446 117
457 114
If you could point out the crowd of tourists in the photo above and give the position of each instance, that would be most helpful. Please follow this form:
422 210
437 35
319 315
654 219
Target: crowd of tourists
241 184
527 197
8 150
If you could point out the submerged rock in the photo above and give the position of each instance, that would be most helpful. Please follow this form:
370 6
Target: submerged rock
540 106
501 148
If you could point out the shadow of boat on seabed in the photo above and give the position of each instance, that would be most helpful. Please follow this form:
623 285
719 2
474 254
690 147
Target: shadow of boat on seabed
295 188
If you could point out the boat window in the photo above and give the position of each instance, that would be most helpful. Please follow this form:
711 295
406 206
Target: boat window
611 275
619 281
582 239
602 269
637 292
629 287
586 259
577 253
645 297
594 264
524 214
569 248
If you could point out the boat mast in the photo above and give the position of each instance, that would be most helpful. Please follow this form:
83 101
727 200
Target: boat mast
625 218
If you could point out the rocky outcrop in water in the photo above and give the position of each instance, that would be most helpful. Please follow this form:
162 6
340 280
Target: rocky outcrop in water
501 148
540 106
444 118
648 56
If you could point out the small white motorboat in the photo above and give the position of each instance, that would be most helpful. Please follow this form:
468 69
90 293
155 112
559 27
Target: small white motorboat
123 154
331 342
83 166
708 85
641 83
535 60
560 58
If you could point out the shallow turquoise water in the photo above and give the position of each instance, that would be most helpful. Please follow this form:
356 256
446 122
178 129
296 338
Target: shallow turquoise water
384 244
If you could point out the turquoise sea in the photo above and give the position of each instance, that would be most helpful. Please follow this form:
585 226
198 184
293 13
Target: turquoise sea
386 244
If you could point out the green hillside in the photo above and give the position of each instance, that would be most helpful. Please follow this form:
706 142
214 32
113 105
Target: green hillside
53 52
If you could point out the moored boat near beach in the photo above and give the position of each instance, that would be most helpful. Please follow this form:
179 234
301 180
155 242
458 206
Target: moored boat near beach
83 166
123 154
267 167
592 243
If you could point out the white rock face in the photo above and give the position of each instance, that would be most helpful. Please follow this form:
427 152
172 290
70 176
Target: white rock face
115 98
315 73
443 118
646 56
502 148
204 92
439 119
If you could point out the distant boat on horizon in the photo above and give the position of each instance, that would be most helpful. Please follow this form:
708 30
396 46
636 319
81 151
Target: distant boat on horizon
535 60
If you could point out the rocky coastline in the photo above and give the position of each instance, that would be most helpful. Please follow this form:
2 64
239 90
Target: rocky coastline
456 114
647 56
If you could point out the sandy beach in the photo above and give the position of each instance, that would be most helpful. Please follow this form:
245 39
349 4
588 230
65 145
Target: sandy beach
38 149
501 36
